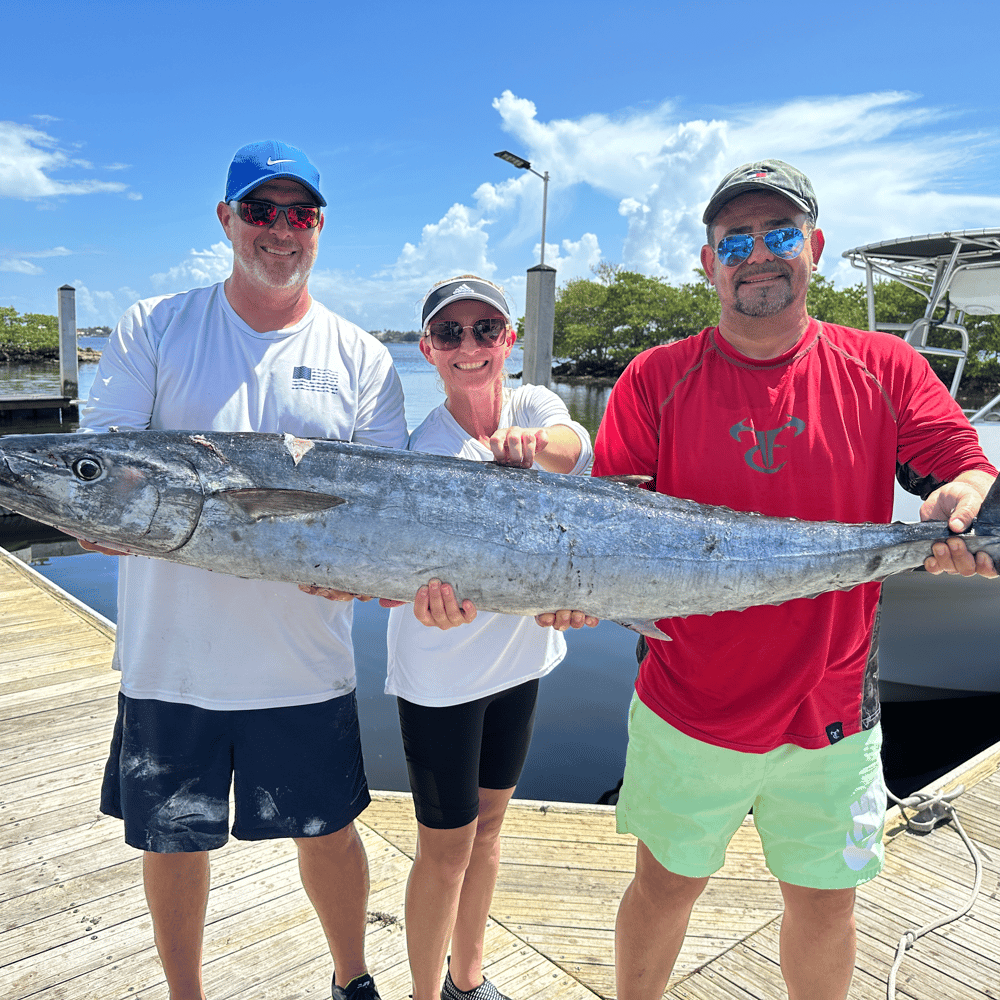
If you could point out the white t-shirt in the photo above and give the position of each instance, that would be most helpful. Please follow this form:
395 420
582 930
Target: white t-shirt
494 652
188 362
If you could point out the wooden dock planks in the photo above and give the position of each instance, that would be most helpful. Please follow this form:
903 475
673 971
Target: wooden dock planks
73 919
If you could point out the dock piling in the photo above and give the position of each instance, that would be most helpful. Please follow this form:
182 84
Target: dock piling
69 369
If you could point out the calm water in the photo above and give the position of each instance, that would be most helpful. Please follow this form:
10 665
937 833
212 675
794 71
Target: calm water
578 750
420 383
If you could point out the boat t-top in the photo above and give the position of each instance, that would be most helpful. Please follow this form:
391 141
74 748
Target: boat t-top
958 272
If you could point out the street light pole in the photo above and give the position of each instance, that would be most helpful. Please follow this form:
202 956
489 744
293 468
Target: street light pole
545 201
522 164
540 296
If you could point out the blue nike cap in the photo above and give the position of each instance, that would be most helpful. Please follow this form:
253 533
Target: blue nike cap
259 162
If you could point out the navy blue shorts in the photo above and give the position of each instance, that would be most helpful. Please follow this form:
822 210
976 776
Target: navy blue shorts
453 751
296 772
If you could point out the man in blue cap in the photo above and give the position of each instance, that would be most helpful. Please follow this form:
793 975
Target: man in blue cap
243 682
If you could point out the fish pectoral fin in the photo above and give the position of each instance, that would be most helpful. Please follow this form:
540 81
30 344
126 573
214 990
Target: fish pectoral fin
256 504
647 629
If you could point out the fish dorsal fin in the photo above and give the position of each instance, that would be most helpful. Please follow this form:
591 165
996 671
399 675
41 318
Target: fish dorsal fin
256 504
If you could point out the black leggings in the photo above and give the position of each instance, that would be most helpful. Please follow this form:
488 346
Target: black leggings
453 751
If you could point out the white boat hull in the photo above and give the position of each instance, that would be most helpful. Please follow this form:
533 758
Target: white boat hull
940 635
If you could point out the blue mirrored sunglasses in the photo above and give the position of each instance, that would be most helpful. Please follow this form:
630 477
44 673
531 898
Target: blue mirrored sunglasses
786 243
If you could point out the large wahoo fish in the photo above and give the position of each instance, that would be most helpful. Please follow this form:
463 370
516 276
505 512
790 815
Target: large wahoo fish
382 522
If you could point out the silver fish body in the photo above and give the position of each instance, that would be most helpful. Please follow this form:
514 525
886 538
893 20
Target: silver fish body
382 522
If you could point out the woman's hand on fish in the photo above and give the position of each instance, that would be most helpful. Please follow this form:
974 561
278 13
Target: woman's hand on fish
562 620
435 606
517 446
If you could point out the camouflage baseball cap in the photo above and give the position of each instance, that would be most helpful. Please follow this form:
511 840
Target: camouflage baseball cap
764 175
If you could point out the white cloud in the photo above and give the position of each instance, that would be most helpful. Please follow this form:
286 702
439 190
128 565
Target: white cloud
95 308
53 252
880 164
653 164
573 260
20 267
456 244
18 262
202 267
28 158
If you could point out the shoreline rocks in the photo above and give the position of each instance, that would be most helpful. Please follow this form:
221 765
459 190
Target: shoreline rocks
10 354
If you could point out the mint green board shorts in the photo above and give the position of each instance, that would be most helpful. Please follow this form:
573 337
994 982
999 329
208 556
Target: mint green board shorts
820 813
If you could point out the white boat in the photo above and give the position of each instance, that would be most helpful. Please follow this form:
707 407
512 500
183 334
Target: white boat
940 636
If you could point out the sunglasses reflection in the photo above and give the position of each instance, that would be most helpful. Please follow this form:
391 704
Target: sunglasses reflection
265 213
786 243
446 335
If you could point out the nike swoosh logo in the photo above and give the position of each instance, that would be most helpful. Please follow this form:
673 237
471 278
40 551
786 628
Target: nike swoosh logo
271 162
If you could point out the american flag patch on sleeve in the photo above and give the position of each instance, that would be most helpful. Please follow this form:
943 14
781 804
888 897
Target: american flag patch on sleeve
314 379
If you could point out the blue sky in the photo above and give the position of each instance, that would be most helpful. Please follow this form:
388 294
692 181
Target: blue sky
118 122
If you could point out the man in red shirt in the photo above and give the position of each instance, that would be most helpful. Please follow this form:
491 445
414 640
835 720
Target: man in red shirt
774 708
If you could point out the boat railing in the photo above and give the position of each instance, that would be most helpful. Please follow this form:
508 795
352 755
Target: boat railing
919 330
957 272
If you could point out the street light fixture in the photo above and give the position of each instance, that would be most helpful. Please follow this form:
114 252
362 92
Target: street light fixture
522 164
539 297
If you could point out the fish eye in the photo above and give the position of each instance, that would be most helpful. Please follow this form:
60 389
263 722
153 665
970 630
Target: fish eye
87 469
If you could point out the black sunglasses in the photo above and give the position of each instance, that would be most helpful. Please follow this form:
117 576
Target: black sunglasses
265 213
446 334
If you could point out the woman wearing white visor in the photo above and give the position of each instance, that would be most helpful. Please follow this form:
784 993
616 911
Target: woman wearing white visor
467 697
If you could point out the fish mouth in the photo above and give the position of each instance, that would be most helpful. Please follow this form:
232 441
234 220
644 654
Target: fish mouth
18 493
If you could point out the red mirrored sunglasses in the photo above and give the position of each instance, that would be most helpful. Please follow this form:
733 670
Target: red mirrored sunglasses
265 213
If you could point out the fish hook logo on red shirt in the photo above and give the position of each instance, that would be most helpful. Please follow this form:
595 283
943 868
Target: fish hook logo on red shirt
761 455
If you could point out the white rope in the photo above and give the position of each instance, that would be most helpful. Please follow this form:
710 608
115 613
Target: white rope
938 809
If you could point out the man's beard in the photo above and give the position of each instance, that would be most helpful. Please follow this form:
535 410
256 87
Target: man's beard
260 275
765 301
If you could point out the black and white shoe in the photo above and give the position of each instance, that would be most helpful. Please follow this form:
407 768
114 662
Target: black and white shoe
484 991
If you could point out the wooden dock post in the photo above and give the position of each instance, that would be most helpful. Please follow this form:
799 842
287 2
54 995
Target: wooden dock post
69 369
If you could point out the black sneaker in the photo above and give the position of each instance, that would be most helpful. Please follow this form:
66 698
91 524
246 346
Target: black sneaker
484 991
359 988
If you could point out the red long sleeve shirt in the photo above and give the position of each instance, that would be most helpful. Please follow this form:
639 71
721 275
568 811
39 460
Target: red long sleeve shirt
815 434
